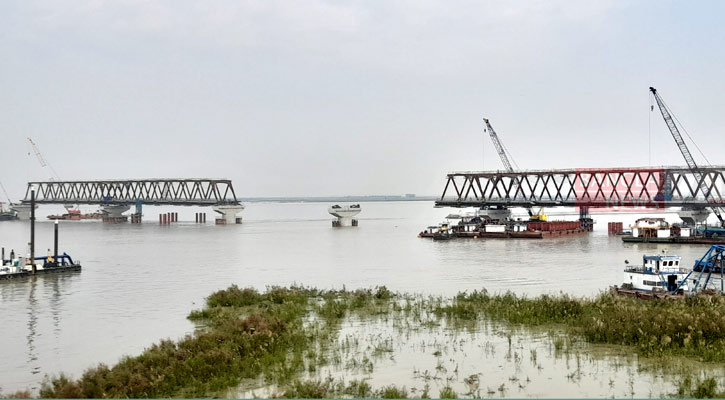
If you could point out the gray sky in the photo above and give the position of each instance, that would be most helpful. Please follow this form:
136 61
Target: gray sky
361 97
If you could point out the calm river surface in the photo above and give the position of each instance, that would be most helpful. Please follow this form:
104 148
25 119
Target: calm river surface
140 281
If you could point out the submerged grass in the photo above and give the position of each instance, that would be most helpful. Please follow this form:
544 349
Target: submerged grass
246 334
251 334
693 326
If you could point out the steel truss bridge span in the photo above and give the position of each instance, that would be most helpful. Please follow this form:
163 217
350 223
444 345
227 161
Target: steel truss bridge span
591 187
175 192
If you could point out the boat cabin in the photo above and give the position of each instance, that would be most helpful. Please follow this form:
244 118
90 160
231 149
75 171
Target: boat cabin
657 273
651 227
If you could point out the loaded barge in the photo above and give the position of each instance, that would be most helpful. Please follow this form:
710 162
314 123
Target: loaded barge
657 230
75 214
477 228
21 267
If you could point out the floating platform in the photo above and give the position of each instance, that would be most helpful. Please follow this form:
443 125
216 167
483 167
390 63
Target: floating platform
673 240
8 272
528 230
75 215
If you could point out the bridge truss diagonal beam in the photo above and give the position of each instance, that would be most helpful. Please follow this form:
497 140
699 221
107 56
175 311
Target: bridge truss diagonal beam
186 192
595 188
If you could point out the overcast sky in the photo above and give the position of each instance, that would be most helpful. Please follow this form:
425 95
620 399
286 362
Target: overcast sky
350 97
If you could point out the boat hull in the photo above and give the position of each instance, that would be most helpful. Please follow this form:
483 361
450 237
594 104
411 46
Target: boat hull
40 271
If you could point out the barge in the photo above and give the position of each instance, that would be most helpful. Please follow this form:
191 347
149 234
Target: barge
22 267
657 230
75 215
473 227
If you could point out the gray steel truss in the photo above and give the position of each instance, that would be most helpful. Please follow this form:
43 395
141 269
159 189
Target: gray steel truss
175 192
596 188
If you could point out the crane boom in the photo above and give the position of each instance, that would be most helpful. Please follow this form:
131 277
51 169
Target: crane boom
499 147
702 186
41 160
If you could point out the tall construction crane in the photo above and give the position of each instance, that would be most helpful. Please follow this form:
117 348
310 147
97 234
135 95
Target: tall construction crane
504 155
667 115
499 146
42 161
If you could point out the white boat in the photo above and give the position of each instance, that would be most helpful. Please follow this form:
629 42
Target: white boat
660 273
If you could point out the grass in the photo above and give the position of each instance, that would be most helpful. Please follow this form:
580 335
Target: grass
284 332
699 388
246 334
691 327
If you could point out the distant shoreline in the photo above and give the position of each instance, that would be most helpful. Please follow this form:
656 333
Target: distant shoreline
334 199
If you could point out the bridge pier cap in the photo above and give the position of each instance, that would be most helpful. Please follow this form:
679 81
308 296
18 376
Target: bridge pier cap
229 213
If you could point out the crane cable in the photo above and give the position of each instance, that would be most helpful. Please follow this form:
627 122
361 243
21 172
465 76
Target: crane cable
6 193
649 129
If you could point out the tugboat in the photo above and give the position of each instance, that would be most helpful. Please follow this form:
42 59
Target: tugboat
20 267
663 276
660 273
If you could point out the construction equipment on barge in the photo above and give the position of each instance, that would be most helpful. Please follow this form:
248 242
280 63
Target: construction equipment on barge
475 227
74 214
21 267
657 230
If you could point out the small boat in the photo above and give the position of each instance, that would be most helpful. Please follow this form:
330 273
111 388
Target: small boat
660 273
663 276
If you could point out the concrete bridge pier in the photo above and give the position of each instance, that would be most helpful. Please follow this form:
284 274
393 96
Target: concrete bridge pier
344 214
228 214
23 210
114 213
693 216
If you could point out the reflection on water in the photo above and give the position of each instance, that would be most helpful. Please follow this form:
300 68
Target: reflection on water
32 325
484 359
140 281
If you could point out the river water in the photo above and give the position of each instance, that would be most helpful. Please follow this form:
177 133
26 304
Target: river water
140 281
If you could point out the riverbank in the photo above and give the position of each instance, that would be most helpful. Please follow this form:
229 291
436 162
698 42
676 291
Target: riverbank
305 342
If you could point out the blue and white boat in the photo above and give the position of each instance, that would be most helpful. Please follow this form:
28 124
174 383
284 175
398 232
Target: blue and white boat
660 273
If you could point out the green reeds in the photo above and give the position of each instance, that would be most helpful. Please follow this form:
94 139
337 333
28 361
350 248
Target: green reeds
692 327
249 334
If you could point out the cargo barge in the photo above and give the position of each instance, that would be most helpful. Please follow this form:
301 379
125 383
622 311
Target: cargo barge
474 228
74 214
22 267
657 230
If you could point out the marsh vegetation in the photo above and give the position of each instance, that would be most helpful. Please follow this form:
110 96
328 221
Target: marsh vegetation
310 343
